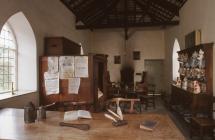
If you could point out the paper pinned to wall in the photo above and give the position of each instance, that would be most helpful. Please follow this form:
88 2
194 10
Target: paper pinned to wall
66 67
81 66
51 83
74 85
52 64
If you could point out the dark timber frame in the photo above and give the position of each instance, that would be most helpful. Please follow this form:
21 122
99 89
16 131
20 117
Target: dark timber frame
100 14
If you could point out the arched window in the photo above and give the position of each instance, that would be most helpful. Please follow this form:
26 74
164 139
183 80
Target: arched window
18 56
8 59
175 63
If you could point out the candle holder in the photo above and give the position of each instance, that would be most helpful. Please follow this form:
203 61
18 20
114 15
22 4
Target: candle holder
12 89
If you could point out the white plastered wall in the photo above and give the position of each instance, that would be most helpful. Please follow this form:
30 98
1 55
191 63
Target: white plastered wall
150 43
47 18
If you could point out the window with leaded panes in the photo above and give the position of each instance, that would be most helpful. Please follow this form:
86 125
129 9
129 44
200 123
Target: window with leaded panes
8 59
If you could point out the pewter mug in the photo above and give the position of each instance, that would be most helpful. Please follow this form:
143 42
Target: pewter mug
41 113
30 113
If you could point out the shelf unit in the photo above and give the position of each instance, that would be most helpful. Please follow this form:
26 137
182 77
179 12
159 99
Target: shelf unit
207 76
184 101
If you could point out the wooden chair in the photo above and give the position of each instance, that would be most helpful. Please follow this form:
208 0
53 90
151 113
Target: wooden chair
119 101
148 99
202 126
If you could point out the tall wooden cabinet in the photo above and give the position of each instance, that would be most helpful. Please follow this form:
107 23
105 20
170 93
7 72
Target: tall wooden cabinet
88 91
184 100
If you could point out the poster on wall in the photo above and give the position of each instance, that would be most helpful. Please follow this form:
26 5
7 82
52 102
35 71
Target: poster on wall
74 85
51 83
66 67
52 64
81 66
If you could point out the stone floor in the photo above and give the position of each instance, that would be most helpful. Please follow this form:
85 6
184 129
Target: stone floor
160 108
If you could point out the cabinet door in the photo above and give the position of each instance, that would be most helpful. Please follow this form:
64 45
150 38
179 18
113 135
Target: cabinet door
99 84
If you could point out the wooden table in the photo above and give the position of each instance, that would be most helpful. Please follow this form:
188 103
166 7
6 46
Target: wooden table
13 127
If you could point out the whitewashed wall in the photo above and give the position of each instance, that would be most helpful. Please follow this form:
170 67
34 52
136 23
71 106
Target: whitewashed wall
47 18
111 42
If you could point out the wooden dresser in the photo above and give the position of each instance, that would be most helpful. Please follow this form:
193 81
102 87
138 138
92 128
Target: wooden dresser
185 101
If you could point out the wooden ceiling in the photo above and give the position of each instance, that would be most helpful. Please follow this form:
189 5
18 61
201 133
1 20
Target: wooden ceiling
99 14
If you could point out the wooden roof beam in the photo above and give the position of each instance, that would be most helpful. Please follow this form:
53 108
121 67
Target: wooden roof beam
167 5
146 9
129 25
78 7
100 15
89 9
126 19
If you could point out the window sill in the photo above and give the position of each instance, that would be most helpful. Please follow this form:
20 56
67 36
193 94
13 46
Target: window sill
8 95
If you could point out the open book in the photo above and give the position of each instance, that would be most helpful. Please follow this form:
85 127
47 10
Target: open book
148 125
74 115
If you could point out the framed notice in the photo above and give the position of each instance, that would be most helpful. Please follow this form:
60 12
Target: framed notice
81 66
66 67
136 55
117 59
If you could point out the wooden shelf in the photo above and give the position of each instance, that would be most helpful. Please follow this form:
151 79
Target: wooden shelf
196 48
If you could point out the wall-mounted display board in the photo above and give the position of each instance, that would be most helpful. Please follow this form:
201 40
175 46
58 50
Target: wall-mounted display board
80 78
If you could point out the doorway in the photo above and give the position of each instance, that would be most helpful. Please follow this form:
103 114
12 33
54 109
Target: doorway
155 73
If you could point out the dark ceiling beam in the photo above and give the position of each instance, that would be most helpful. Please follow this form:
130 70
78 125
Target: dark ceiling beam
155 10
135 10
79 6
146 9
68 5
103 13
167 5
129 25
182 2
160 14
70 2
129 12
89 9
144 12
158 11
126 19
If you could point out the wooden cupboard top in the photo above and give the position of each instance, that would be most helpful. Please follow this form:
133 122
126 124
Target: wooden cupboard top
197 47
13 127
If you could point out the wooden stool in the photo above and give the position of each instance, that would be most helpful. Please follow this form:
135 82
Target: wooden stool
118 100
